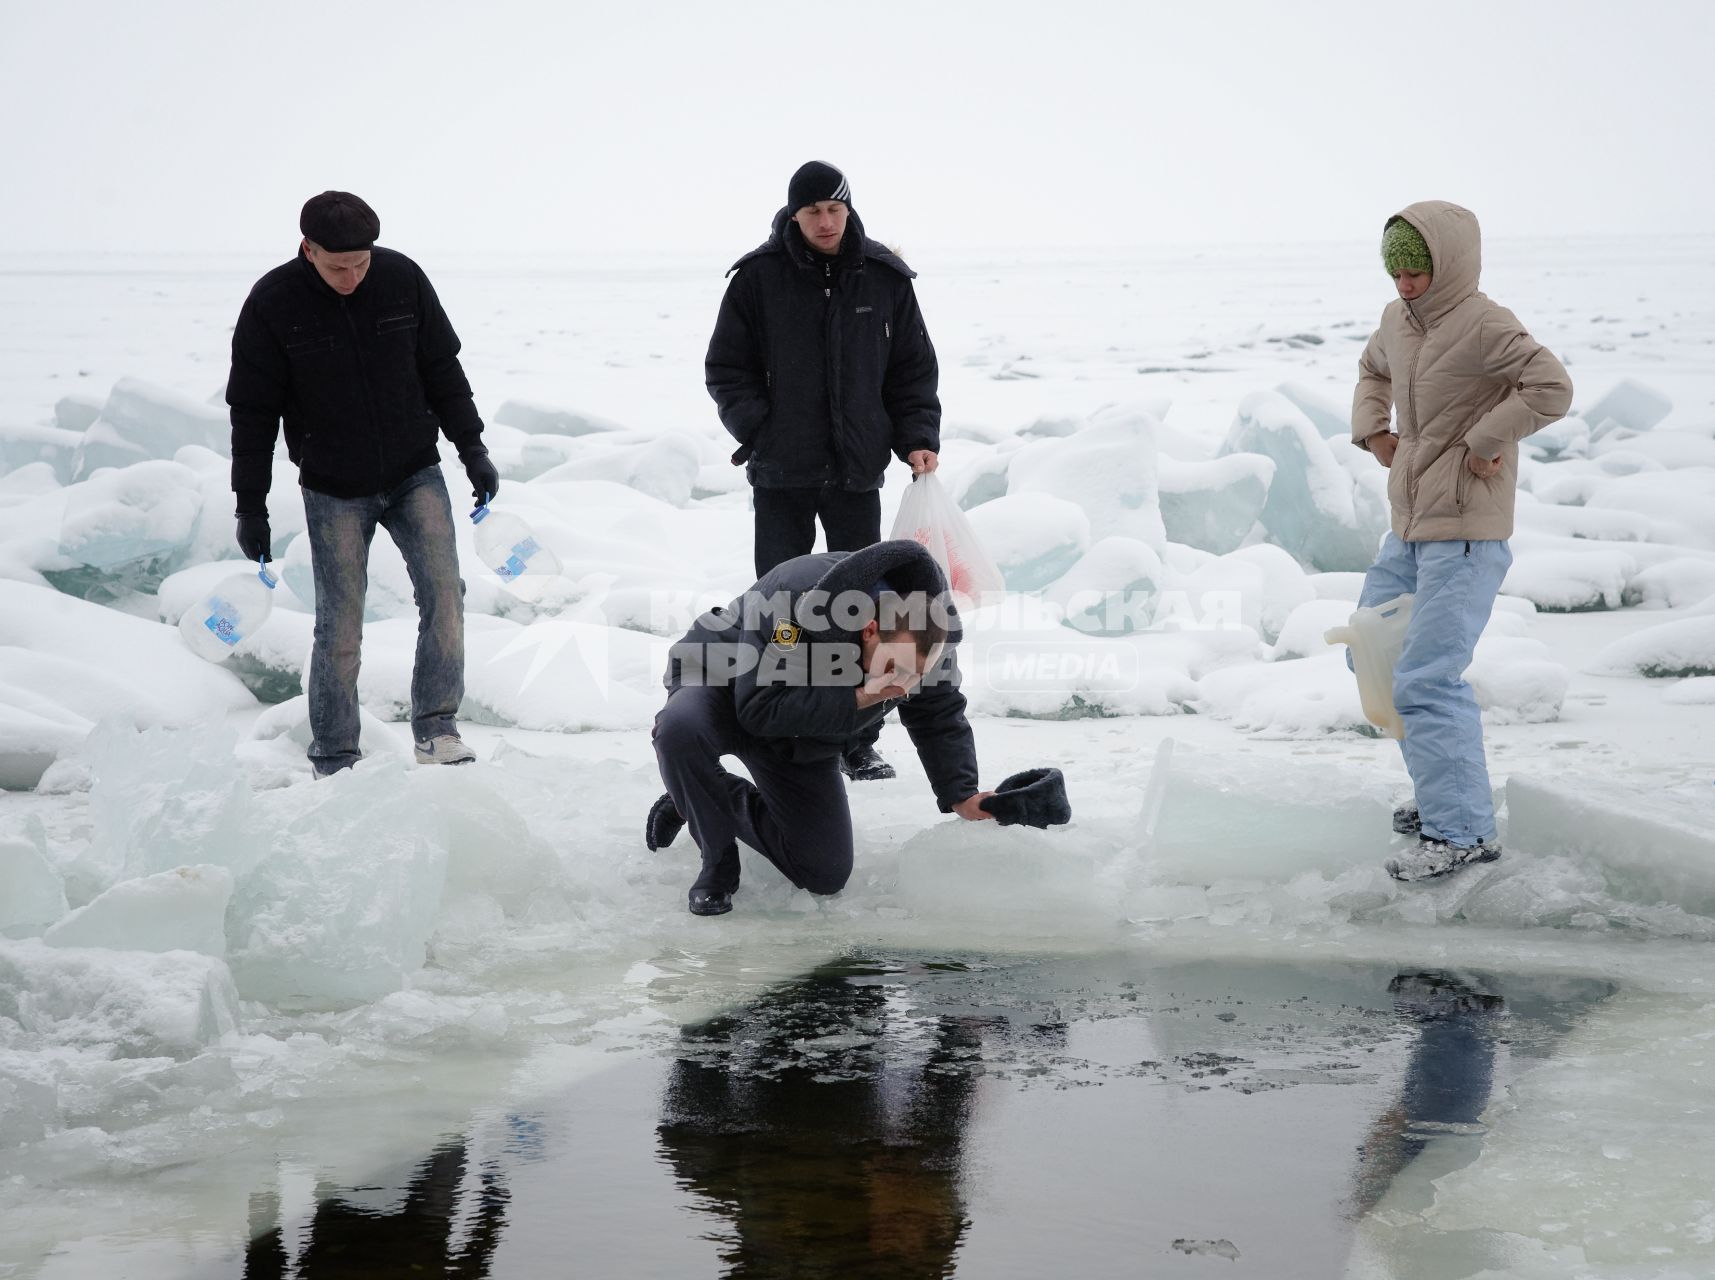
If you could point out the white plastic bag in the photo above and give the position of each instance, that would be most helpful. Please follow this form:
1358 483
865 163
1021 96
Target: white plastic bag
928 515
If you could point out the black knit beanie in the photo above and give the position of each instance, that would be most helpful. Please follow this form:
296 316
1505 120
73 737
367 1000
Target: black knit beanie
339 222
815 181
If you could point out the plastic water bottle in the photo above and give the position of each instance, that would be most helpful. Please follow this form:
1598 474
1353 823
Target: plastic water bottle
508 546
231 612
1375 636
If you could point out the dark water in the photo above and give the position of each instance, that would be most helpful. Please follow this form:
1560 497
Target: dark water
895 1115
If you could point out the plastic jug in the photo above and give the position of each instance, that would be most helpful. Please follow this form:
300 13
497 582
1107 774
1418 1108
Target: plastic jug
1375 636
231 612
508 546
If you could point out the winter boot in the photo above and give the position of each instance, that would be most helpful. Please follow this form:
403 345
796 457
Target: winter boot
1407 820
864 764
1431 858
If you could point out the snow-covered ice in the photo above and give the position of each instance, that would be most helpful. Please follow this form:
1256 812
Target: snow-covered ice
203 952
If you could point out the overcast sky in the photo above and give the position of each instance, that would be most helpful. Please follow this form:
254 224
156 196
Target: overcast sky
490 124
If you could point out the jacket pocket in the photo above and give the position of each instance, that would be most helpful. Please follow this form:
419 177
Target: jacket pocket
307 342
1461 478
392 324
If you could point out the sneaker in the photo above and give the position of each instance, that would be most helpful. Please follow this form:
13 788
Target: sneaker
663 824
1407 820
1433 858
444 748
864 764
710 902
1435 995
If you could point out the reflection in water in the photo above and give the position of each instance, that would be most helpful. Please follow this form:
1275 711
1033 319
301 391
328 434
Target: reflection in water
1459 1020
826 1121
440 1228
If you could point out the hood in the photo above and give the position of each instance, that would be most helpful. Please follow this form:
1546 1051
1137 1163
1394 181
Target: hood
780 238
1455 250
903 564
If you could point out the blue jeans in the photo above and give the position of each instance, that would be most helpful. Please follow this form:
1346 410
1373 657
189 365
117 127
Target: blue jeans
1454 585
419 516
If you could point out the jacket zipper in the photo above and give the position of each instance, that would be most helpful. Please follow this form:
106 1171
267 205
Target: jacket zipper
1411 409
830 325
368 398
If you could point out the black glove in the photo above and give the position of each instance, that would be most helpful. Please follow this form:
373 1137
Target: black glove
484 479
253 537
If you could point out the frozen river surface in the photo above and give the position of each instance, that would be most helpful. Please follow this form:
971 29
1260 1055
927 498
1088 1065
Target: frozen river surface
459 1020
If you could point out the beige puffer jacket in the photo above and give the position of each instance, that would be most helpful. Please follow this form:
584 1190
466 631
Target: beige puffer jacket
1466 378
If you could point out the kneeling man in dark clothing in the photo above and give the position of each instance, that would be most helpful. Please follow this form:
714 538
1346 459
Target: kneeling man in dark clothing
783 678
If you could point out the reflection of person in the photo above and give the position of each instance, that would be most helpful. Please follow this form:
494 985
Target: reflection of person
782 678
1448 1077
841 1164
1469 383
349 346
417 1239
821 366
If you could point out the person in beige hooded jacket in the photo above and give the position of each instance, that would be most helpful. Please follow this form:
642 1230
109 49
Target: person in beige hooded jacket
1464 382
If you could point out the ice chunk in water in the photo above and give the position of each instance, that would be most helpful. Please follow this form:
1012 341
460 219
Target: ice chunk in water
540 419
32 895
179 910
139 422
665 467
1684 647
1033 537
1516 681
35 731
162 798
1108 469
1332 421
342 902
76 412
1301 634
20 446
1234 818
1312 508
1570 581
1628 405
1568 438
135 1004
1672 584
147 512
1214 505
1112 590
1657 846
1257 586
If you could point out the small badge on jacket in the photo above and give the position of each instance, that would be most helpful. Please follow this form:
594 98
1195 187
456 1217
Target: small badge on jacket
785 635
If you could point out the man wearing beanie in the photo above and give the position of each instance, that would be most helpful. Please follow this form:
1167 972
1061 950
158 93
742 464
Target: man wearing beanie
1463 383
348 347
822 368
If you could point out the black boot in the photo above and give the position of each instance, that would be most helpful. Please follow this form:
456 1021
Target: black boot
663 824
711 895
710 902
864 764
1407 820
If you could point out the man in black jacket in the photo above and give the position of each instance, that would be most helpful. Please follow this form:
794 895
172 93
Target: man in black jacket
783 678
821 367
347 344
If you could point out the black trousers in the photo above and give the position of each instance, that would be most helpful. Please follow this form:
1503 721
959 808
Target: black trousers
786 522
793 814
786 528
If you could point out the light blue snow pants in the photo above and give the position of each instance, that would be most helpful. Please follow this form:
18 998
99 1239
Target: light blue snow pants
1454 585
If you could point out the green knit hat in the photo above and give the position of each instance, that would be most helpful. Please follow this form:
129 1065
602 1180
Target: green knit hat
1403 248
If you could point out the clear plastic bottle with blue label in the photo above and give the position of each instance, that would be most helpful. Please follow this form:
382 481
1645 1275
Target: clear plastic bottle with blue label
232 612
511 549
